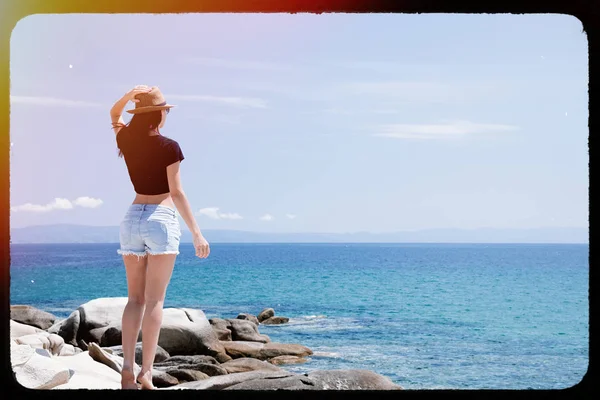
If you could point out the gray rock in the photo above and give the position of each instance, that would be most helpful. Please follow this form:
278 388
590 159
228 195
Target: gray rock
161 379
237 329
197 359
249 317
351 379
68 328
280 360
295 382
187 331
184 331
264 351
32 316
322 380
248 364
246 330
264 314
275 320
221 328
208 369
223 381
161 354
186 375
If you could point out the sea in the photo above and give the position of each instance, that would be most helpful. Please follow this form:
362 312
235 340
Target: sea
428 316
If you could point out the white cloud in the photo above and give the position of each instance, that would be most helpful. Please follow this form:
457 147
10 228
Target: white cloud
267 217
51 102
290 216
244 102
238 64
446 130
87 202
213 212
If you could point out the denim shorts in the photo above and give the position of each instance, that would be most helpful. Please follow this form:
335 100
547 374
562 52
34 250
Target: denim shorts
149 229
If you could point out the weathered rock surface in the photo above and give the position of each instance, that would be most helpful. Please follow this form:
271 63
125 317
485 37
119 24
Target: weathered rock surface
264 314
161 379
223 381
32 316
239 329
263 351
35 368
322 380
186 375
178 360
275 320
208 369
88 373
161 354
248 364
280 360
249 317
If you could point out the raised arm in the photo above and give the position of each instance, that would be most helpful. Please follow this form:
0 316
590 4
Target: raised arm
116 111
184 208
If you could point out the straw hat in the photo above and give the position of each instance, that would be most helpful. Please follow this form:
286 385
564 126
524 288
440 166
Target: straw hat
151 101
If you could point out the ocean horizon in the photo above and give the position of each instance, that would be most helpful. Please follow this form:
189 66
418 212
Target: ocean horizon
428 316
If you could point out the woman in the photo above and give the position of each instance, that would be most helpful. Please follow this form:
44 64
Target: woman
150 232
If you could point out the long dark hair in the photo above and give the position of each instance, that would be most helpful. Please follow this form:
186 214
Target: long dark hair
139 126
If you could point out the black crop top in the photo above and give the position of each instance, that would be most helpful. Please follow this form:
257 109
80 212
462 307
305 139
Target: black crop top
147 161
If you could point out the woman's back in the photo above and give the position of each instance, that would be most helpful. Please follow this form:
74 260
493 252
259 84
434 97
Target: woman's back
147 158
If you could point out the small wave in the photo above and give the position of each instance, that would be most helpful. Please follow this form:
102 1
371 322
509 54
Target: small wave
313 316
327 354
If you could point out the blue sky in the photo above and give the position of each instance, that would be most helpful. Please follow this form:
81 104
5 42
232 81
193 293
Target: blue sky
310 123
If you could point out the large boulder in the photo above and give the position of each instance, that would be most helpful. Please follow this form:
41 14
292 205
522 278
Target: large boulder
223 381
32 316
186 375
161 354
248 364
36 369
264 351
67 328
221 328
276 320
322 380
186 331
264 314
183 330
249 317
239 329
161 379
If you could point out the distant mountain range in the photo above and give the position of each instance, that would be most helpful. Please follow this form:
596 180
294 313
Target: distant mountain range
64 233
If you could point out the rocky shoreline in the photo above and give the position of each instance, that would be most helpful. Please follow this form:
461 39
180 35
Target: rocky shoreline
83 351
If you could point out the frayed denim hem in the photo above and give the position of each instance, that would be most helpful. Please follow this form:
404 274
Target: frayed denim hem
132 253
160 253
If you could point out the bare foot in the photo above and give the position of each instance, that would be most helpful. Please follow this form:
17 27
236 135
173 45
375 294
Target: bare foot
128 380
145 379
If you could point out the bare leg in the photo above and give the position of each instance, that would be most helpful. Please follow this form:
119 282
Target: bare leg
160 268
132 315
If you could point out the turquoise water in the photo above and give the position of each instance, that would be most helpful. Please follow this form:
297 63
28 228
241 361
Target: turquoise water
425 315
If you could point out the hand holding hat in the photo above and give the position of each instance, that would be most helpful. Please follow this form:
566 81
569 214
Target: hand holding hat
147 99
137 90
